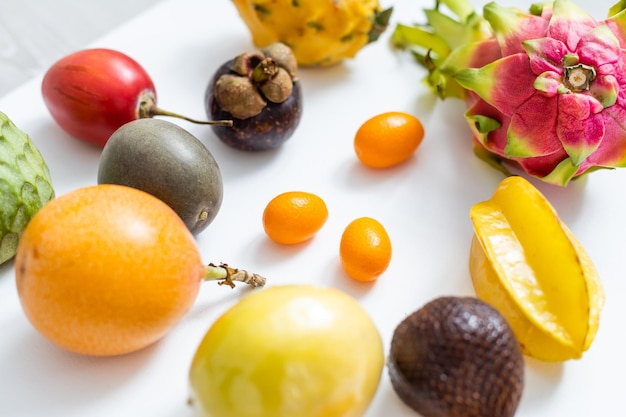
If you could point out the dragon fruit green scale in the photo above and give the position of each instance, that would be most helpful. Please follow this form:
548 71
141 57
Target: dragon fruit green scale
25 185
545 89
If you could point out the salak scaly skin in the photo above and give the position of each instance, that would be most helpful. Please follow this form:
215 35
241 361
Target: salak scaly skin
545 88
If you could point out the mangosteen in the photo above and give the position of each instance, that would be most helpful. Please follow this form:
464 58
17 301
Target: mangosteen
260 92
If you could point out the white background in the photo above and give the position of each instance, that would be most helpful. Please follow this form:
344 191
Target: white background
35 33
424 204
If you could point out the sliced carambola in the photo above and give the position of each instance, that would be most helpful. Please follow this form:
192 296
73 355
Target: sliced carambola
526 262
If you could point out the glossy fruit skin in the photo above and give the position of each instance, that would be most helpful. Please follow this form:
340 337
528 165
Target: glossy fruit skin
526 262
457 357
267 130
388 139
92 92
321 32
284 351
165 160
106 270
365 249
294 217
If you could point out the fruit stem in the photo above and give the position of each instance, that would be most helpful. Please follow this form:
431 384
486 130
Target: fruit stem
147 109
265 70
226 275
160 112
579 77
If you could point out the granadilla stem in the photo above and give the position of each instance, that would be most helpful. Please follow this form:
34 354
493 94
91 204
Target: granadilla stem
227 275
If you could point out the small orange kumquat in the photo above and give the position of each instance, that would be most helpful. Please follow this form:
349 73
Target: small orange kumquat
388 139
294 217
365 249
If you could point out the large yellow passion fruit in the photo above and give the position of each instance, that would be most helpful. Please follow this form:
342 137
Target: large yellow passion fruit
294 350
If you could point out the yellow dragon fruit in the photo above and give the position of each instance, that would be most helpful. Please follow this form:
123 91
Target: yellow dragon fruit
319 32
545 88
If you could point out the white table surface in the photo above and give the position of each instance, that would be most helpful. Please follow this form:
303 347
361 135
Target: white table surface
35 33
423 203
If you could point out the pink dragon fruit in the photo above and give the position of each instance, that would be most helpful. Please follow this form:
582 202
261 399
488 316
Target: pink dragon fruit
545 89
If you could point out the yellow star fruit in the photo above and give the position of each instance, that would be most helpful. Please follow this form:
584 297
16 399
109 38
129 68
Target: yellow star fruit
528 264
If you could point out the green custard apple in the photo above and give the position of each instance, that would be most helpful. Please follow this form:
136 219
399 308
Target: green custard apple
25 185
